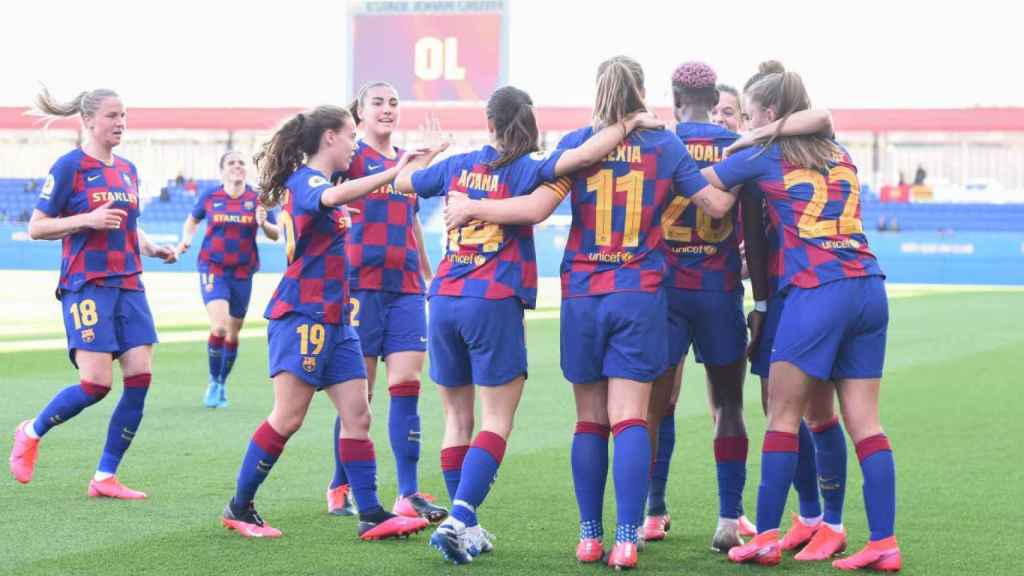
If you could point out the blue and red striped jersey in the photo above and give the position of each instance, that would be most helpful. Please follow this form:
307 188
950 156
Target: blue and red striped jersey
315 284
229 245
79 183
382 249
703 253
617 207
816 215
485 260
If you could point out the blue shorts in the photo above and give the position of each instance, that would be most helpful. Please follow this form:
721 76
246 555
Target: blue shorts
761 359
389 322
476 341
836 330
106 319
226 287
617 335
711 320
320 354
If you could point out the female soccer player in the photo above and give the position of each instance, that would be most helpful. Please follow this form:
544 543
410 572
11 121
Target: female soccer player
90 202
312 346
705 299
228 259
728 113
833 322
614 329
485 280
389 268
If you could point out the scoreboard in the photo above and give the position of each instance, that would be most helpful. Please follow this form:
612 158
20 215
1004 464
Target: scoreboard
432 51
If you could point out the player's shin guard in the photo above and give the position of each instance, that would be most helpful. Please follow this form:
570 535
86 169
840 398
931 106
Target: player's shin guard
659 473
451 466
778 465
339 469
360 463
124 422
215 353
404 433
731 468
589 475
879 468
264 449
67 404
805 481
631 469
228 360
830 448
479 471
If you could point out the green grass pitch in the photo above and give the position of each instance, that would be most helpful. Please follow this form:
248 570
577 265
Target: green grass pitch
952 405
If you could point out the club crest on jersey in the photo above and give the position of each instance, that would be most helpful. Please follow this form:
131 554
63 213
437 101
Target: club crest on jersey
249 205
48 187
88 335
309 363
540 155
127 178
317 181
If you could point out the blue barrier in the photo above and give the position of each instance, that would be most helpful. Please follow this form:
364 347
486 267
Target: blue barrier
906 257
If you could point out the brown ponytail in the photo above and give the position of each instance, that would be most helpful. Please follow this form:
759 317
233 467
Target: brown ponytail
515 127
291 145
85 103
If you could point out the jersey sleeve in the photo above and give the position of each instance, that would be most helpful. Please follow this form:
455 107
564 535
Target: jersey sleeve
686 177
199 209
433 180
741 167
308 193
535 169
57 189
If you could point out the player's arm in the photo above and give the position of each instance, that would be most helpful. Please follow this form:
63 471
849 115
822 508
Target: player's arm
188 231
354 189
530 209
166 253
755 245
42 226
403 182
799 123
599 145
417 229
269 228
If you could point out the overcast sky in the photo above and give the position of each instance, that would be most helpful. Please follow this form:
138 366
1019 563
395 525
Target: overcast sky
868 53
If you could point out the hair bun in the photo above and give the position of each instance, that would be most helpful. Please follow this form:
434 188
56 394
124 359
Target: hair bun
771 67
695 76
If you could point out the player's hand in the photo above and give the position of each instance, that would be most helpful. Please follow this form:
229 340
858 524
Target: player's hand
166 253
645 121
745 141
261 214
183 247
456 210
105 217
755 321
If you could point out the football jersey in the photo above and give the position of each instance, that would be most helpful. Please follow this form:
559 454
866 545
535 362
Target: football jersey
615 242
229 245
77 184
703 253
383 253
315 282
485 260
815 215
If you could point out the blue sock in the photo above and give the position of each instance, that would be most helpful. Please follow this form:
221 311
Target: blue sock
360 463
124 422
339 469
830 449
805 481
215 353
404 433
631 469
230 353
67 404
778 465
451 466
264 449
731 467
659 475
879 469
589 475
479 470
